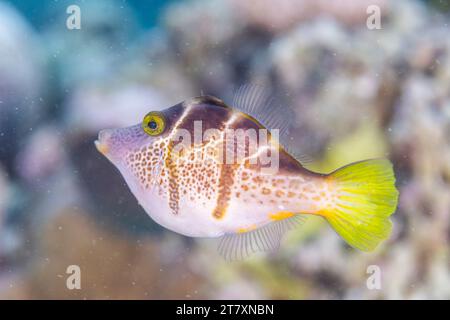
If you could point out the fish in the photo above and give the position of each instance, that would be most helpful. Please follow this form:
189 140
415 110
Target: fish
205 168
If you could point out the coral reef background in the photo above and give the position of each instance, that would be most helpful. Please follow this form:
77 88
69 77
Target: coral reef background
356 93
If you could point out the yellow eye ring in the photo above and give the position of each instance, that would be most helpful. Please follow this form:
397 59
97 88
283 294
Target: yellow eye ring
154 123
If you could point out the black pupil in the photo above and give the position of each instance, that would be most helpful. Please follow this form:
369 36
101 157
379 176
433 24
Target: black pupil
152 125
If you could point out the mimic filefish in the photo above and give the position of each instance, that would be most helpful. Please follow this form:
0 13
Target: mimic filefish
203 168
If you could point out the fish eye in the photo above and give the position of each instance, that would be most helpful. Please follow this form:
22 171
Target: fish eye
154 123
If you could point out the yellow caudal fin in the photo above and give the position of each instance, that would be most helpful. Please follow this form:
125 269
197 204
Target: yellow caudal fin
365 198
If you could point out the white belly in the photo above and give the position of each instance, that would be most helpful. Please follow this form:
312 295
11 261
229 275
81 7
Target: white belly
195 218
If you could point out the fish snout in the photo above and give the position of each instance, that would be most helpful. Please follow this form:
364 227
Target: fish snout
103 142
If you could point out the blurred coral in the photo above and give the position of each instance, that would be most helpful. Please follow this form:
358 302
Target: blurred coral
282 14
21 82
41 155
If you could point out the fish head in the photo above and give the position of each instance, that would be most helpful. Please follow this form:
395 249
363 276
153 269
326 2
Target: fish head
153 135
149 163
141 145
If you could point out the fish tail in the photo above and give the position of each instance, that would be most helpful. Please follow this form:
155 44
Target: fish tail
365 198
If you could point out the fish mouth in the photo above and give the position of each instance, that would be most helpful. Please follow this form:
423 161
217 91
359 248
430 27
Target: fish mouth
101 147
102 142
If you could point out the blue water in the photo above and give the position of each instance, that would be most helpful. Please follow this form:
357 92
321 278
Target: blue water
37 12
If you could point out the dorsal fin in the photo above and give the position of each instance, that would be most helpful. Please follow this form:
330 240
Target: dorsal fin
259 102
262 104
238 246
296 154
206 99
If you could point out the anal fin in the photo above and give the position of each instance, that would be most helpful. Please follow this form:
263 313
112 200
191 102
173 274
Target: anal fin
238 246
